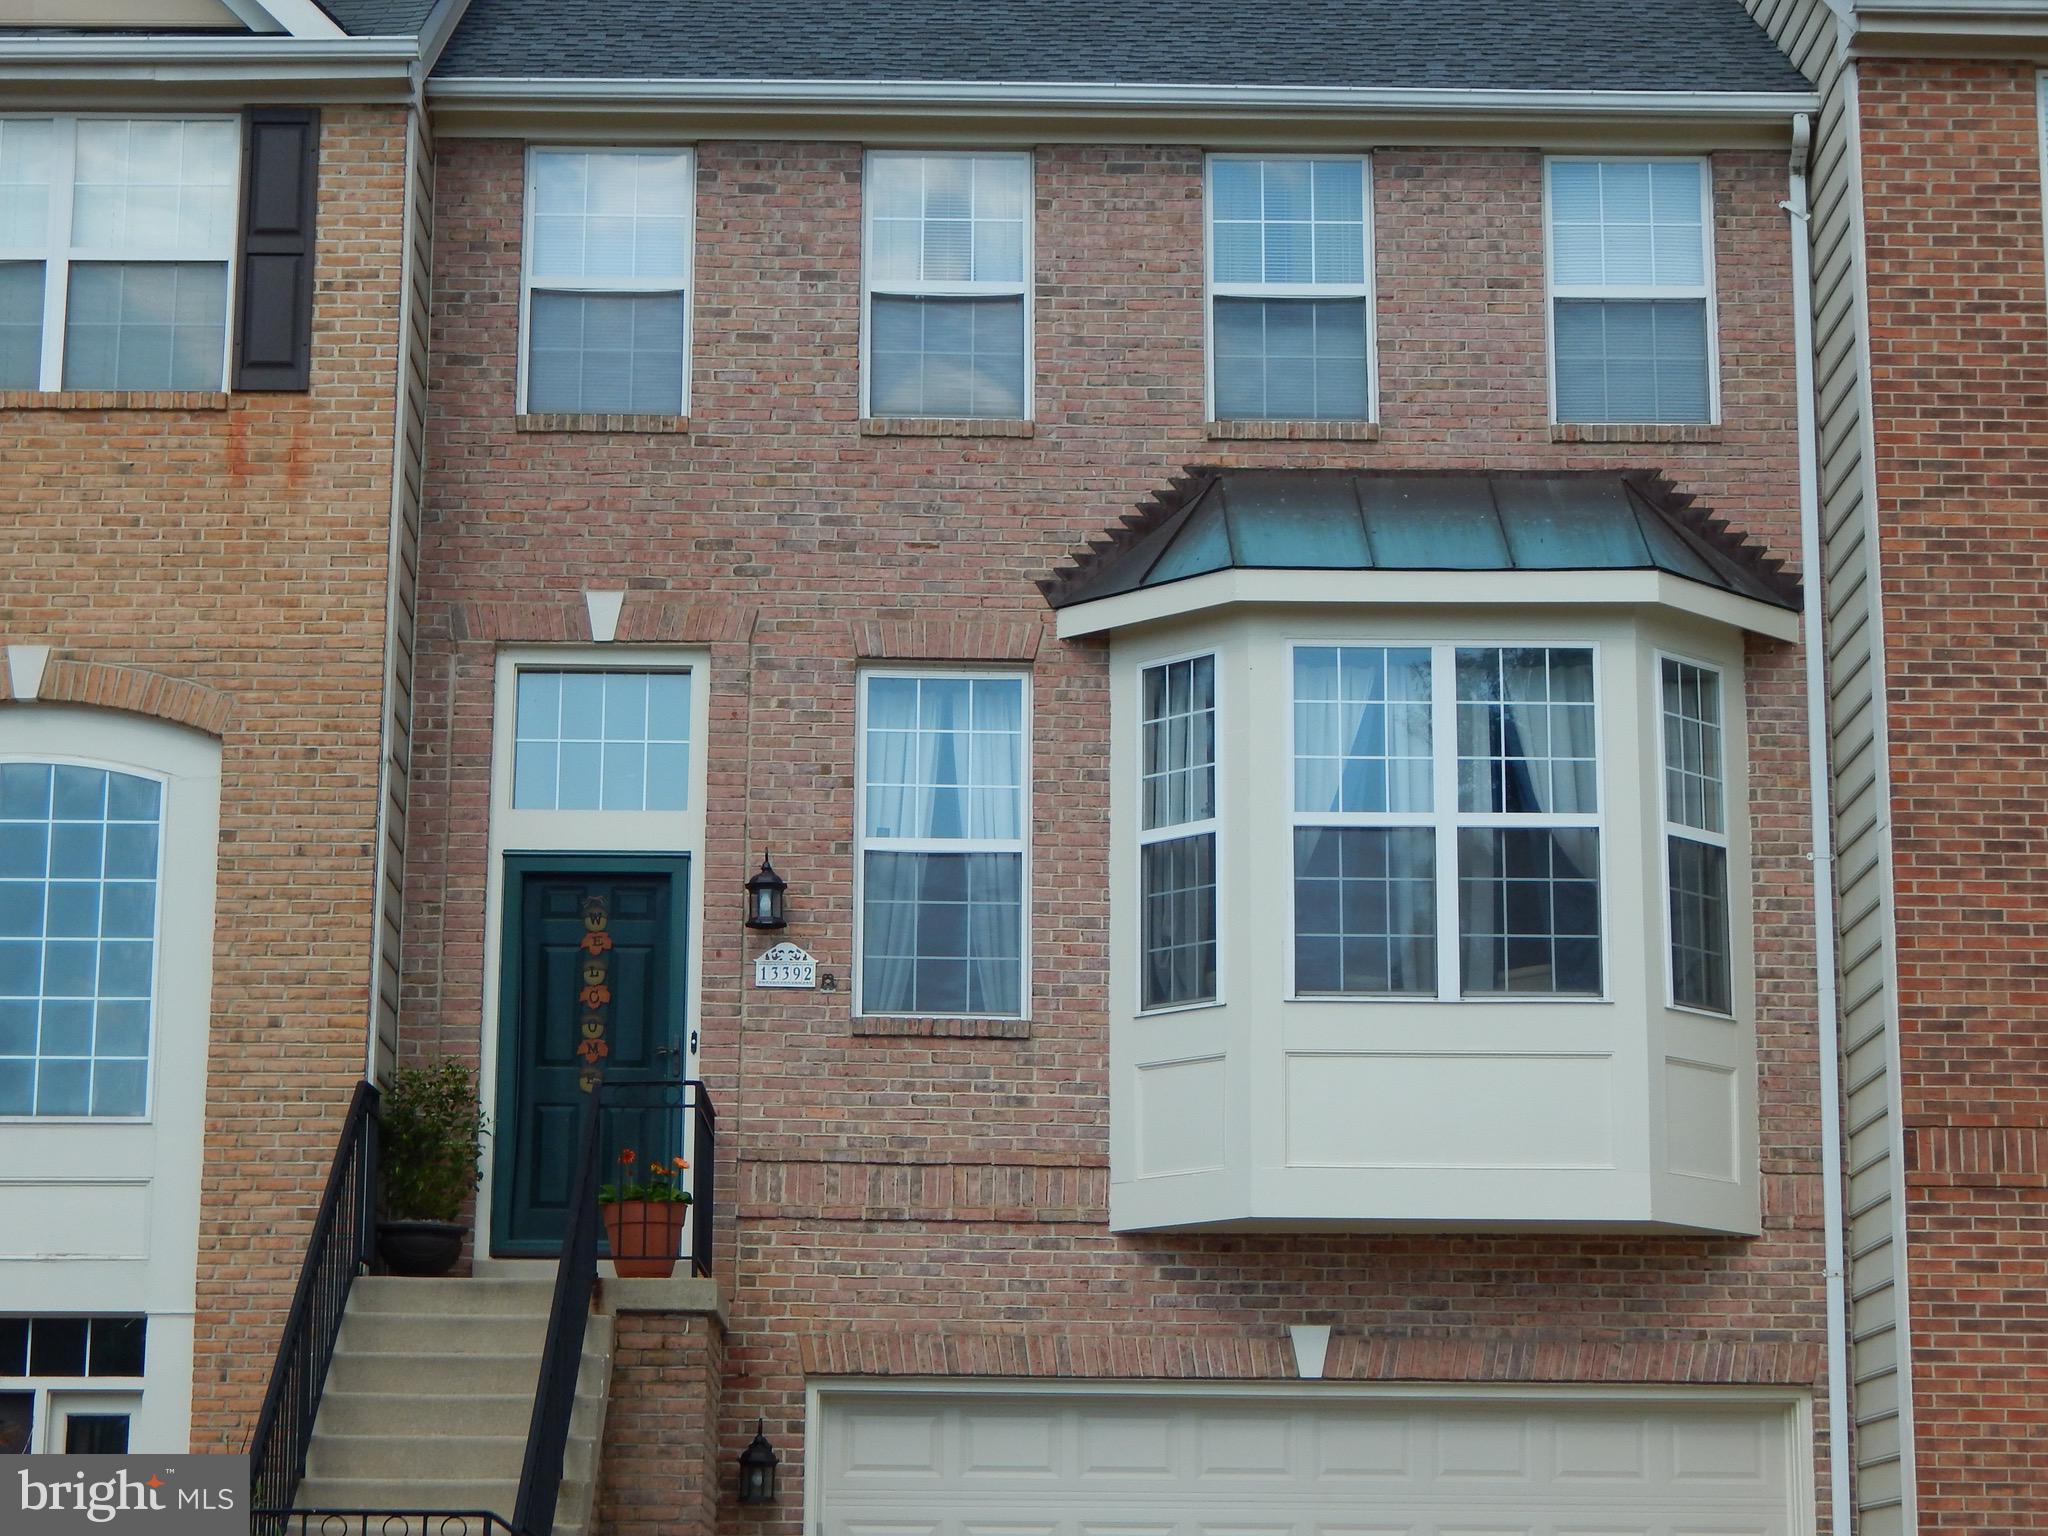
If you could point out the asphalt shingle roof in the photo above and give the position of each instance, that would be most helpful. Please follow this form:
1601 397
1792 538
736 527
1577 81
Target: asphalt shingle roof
379 18
1571 45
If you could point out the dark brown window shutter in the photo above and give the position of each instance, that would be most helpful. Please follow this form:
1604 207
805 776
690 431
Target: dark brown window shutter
274 308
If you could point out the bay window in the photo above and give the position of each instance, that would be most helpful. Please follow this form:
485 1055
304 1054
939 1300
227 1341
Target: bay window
942 838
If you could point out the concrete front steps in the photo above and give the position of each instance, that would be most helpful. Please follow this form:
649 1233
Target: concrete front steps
430 1393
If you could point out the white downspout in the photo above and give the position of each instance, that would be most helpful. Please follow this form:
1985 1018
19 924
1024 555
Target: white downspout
1829 1041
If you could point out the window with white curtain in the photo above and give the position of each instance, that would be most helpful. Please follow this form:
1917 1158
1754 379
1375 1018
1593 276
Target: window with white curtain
942 837
79 853
1445 790
948 269
607 281
1177 835
1631 271
116 236
1696 836
1290 288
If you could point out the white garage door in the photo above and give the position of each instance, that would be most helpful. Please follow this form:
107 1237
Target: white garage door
907 1464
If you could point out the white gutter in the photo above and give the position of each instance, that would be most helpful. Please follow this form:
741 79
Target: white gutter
1728 105
273 49
1820 795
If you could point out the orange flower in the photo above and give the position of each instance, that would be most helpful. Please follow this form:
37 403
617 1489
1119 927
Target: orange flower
682 1162
626 1156
656 1171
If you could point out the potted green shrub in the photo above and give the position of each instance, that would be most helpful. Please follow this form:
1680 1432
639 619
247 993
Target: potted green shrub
432 1157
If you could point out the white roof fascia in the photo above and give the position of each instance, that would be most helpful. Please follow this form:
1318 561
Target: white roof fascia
297 18
1426 589
1747 106
1949 27
38 65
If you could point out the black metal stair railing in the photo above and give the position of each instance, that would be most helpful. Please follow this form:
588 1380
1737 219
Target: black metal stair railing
554 1396
340 1248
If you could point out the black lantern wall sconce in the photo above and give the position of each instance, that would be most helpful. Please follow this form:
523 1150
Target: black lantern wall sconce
757 1468
765 905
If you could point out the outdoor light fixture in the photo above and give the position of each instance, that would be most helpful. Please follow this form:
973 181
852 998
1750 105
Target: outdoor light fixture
757 1461
764 901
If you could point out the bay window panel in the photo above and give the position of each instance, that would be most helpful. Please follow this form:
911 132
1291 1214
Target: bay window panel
25 174
1700 967
1364 911
1526 730
1529 910
1178 897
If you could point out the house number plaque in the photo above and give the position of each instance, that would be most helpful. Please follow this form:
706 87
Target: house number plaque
785 966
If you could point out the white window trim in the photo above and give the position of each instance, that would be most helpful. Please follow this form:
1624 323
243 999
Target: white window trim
1020 845
1023 287
1668 829
1213 826
686 284
156 938
1446 821
54 1399
1705 289
1366 289
58 255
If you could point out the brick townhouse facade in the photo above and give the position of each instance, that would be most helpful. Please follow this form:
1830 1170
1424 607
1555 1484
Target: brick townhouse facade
1930 290
1257 622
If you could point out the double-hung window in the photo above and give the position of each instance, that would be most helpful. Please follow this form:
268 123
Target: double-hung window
942 824
1696 836
1447 790
1631 274
948 267
1290 286
1177 837
116 235
607 281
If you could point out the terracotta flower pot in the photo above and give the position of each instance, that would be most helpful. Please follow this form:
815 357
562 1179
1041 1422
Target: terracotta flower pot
645 1236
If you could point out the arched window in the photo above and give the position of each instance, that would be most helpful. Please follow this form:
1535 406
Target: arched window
80 853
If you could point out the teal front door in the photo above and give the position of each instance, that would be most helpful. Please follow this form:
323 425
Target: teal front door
592 988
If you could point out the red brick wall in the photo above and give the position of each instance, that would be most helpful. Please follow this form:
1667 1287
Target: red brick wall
923 1202
241 544
1959 386
660 1473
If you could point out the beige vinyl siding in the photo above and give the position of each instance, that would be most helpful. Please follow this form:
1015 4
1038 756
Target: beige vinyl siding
407 494
1808 31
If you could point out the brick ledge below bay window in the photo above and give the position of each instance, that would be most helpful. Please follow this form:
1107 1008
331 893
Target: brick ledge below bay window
577 421
113 400
1294 431
1634 432
944 1029
946 426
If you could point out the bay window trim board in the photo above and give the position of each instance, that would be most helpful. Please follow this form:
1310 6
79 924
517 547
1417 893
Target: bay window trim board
1426 589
